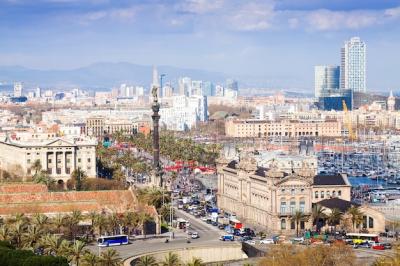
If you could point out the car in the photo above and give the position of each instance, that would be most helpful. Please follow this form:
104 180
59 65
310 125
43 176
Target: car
250 242
364 245
214 223
227 238
378 246
195 235
267 241
246 238
221 226
387 245
204 219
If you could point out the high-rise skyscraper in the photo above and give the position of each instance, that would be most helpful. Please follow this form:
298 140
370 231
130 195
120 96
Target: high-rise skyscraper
208 88
17 89
326 80
353 65
232 85
197 87
185 86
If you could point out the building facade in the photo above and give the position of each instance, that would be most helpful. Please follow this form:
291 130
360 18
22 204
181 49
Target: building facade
287 128
59 157
326 79
269 198
353 65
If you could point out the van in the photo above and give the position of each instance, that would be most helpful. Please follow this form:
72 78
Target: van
227 238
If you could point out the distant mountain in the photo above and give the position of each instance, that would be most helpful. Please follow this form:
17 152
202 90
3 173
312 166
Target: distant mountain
100 75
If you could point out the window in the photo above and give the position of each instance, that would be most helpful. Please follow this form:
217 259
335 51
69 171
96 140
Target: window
328 194
292 205
334 193
292 225
49 160
282 190
79 160
283 224
364 224
88 160
322 194
283 206
28 161
302 225
292 191
316 194
339 193
302 190
302 204
370 222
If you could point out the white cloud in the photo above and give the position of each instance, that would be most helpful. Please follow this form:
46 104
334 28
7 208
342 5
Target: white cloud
123 14
336 20
252 17
393 12
200 6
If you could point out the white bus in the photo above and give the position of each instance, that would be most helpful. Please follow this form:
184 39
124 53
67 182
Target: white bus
106 241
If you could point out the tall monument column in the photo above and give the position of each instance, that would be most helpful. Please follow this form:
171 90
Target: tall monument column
156 138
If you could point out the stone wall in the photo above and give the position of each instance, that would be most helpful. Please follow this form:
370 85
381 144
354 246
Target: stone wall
206 253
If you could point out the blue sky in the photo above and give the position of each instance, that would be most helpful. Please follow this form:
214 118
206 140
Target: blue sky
278 41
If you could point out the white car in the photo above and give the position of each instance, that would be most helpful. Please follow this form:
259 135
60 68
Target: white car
267 241
195 235
250 242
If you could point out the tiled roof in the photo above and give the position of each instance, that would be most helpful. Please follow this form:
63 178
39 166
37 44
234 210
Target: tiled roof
342 205
322 180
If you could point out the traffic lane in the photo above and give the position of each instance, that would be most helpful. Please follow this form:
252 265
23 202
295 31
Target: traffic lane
154 245
196 223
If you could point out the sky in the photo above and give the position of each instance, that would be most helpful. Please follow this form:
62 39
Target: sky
272 40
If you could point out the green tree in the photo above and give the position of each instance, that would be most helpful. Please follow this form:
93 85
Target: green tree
76 251
195 262
53 245
36 166
298 217
356 216
171 259
5 233
79 176
335 217
17 232
31 237
110 257
318 213
58 222
90 259
72 221
147 261
40 220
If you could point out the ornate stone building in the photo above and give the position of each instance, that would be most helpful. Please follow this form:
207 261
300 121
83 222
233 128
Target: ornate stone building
269 198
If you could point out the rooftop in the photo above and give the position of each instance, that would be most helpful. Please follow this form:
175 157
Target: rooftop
330 180
342 205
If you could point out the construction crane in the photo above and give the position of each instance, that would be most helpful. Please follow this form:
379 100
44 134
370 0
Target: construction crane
348 122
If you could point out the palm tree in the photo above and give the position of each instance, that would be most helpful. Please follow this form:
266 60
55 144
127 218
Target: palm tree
356 216
147 261
17 232
130 220
143 218
36 166
100 223
5 233
110 257
52 244
195 262
76 251
58 222
335 217
318 213
90 259
113 222
40 220
31 237
298 217
72 222
171 260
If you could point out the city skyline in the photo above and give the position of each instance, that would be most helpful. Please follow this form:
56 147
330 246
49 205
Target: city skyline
248 42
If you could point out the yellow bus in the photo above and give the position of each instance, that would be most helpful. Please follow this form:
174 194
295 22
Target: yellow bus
359 238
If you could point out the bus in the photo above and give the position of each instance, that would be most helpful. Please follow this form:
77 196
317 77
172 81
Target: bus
359 238
106 241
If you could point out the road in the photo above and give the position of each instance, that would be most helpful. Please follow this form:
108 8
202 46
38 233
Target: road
208 236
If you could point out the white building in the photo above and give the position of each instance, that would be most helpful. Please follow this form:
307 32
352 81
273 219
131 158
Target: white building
197 88
18 89
353 65
58 156
326 79
185 86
